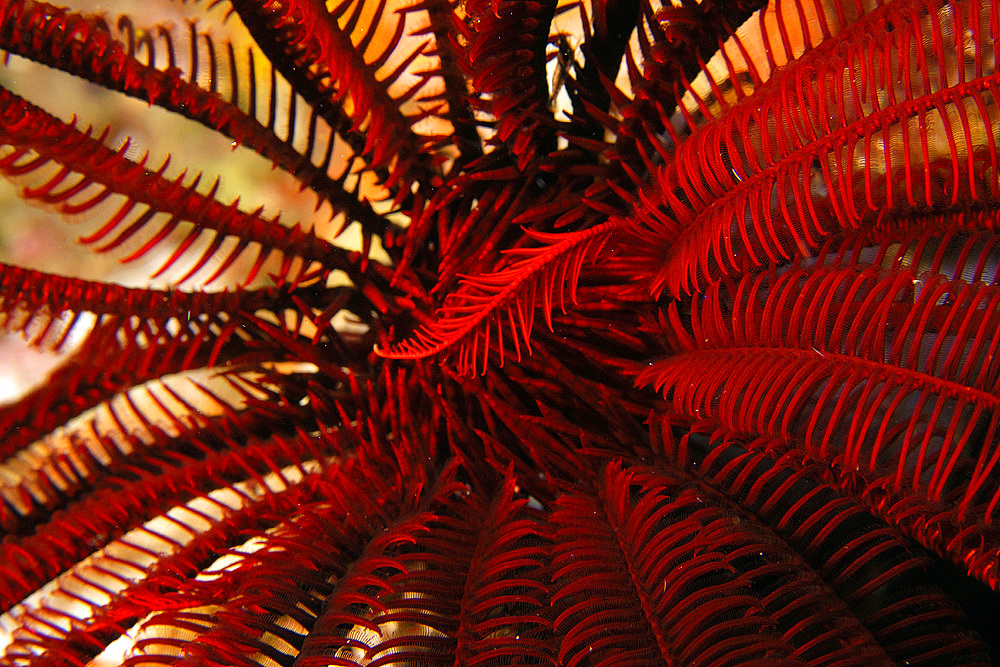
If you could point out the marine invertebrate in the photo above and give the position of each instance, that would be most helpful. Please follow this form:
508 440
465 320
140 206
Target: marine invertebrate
755 421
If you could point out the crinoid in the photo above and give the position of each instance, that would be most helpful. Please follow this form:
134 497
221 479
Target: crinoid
668 333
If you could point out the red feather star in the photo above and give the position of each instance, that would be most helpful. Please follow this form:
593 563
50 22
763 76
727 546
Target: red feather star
625 332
